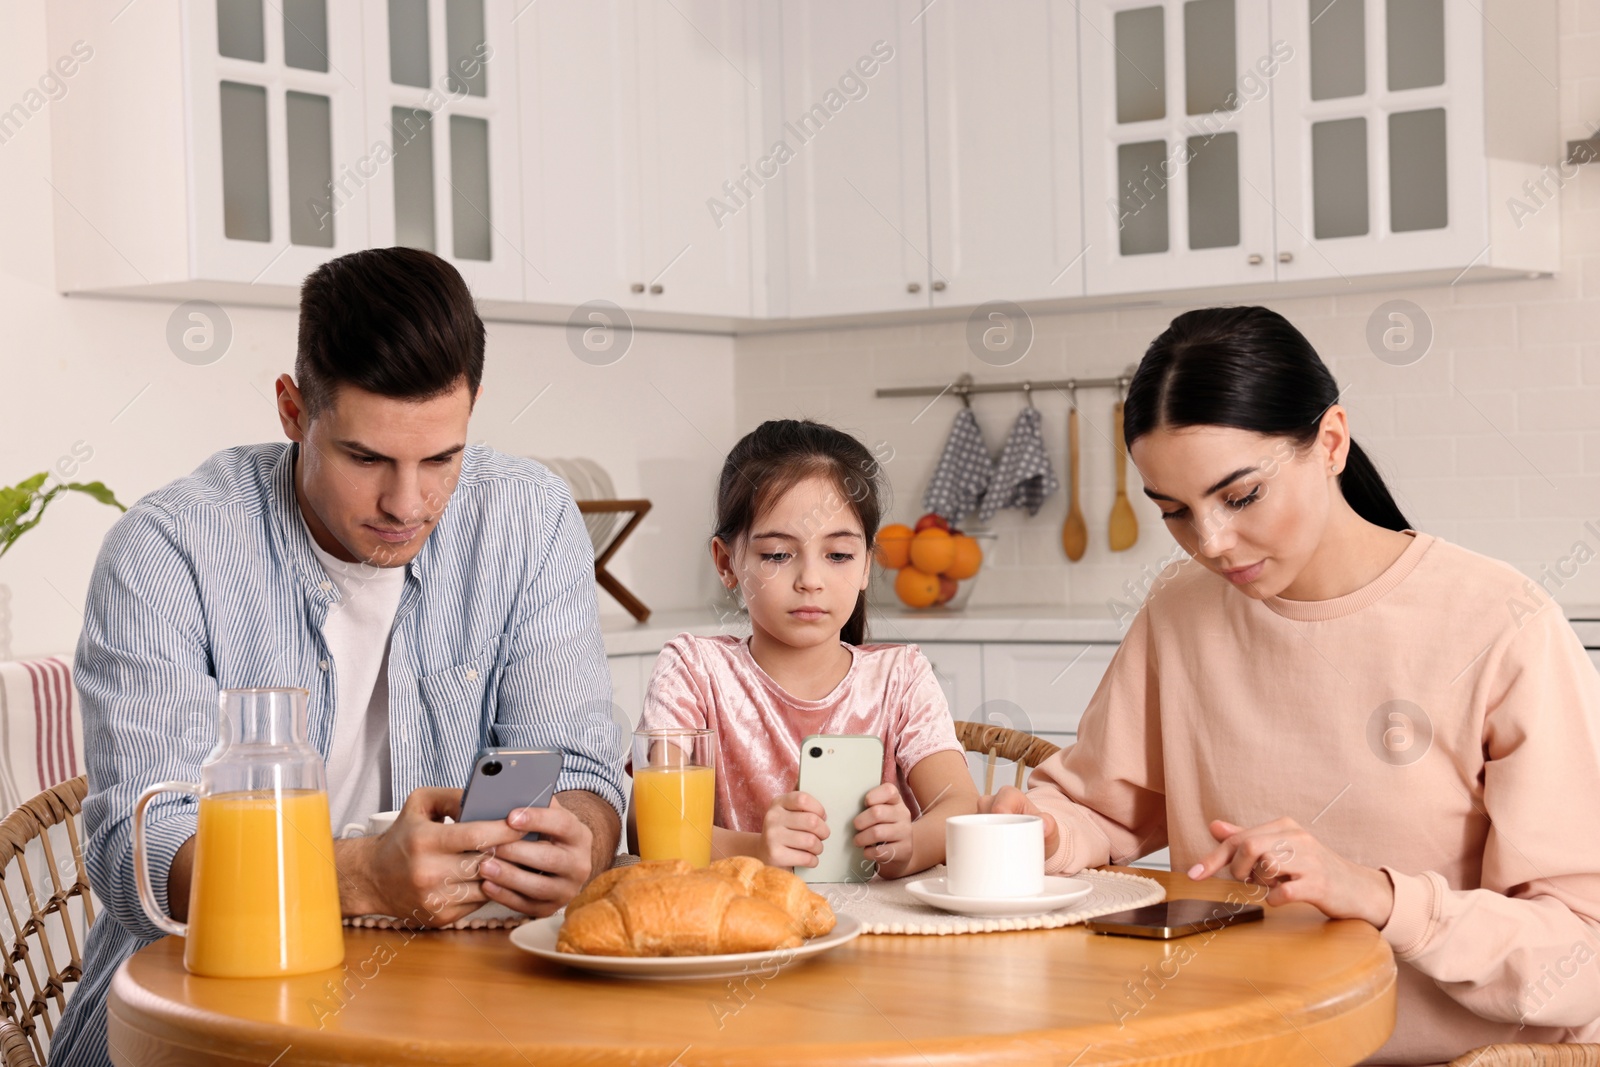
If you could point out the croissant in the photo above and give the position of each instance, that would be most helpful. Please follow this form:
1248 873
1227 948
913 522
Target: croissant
809 911
602 883
698 914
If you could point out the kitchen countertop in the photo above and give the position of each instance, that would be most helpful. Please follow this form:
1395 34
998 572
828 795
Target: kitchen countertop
1088 623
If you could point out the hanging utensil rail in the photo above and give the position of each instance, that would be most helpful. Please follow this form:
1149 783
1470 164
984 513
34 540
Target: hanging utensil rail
965 388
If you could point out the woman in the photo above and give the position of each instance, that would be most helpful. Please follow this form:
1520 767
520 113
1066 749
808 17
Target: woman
1323 701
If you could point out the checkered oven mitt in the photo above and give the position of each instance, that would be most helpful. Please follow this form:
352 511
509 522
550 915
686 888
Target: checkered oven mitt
1023 476
963 472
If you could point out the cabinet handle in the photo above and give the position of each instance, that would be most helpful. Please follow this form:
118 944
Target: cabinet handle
637 287
913 287
1285 257
938 287
655 289
1255 259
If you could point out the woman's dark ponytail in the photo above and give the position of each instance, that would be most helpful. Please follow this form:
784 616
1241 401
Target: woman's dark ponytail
1248 368
1365 492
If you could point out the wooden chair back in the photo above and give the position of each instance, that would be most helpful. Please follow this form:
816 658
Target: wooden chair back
1002 743
44 890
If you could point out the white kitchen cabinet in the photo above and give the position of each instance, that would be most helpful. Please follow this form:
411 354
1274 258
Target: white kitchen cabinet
636 114
854 176
229 128
1177 144
1235 141
1003 167
630 675
959 668
1404 132
1045 686
442 102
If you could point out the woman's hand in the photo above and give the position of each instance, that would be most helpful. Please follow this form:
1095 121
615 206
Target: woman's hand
1012 801
1295 866
883 831
793 831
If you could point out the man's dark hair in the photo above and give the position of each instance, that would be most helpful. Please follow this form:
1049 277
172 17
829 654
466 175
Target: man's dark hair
398 322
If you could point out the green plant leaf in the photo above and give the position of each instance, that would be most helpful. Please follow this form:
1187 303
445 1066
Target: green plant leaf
99 491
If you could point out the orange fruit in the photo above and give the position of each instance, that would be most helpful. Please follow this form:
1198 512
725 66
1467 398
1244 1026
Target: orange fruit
968 558
894 546
932 550
916 589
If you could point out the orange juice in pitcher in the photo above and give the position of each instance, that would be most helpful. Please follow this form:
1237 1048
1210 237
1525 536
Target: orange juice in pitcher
264 894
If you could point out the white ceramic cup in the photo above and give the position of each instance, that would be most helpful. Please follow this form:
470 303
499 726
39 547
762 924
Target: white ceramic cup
377 824
990 856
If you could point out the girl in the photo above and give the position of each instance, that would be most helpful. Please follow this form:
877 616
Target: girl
1347 712
797 512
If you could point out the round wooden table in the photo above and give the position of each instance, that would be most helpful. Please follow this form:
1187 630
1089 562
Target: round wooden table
1293 989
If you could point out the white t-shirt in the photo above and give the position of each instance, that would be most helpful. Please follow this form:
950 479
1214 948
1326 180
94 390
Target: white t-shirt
357 633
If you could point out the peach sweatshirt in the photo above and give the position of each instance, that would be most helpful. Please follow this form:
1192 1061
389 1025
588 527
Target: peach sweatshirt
1484 810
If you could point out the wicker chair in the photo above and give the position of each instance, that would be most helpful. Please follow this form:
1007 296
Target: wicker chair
1001 743
45 955
1529 1056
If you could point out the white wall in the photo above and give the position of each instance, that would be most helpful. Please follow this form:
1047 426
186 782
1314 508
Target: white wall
100 372
1492 440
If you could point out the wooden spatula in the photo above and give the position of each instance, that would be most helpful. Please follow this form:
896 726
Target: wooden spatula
1124 529
1074 532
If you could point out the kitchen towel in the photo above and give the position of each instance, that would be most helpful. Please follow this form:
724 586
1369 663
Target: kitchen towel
1023 477
963 471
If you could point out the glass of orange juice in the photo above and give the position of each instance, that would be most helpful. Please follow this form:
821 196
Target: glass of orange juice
674 792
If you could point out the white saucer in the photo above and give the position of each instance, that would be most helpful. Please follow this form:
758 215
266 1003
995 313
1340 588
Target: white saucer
1057 894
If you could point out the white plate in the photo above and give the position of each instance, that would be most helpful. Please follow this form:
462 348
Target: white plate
539 938
1057 894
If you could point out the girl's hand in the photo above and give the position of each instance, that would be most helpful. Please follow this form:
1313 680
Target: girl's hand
1295 866
884 831
793 831
1012 801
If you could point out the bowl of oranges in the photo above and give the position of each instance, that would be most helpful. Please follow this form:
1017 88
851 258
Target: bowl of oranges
933 564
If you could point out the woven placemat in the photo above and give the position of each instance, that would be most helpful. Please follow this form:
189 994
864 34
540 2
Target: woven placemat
887 907
489 917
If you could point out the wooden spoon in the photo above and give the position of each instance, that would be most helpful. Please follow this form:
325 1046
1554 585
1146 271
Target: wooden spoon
1074 532
1124 523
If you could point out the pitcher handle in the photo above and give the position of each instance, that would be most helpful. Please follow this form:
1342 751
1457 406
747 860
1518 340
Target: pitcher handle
141 870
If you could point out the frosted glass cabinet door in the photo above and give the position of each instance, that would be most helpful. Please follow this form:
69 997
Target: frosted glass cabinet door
441 165
1003 151
1177 143
855 178
1379 137
276 124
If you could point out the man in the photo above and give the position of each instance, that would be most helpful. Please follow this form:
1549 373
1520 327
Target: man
430 596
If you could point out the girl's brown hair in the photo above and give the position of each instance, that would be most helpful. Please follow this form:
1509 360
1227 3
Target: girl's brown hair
778 455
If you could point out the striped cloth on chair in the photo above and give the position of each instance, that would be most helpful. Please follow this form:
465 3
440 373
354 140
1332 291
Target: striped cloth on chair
40 732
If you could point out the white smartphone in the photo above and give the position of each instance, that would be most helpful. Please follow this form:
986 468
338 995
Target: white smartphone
839 770
505 779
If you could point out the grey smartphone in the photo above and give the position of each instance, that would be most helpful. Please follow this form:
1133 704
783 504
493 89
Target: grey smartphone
839 770
505 779
1174 918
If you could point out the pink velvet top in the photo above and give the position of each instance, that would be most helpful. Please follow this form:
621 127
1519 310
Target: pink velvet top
889 691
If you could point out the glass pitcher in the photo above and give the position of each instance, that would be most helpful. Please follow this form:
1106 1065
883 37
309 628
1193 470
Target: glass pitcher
264 899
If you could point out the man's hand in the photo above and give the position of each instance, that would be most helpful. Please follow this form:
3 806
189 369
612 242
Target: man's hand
421 869
1012 801
793 831
538 877
883 830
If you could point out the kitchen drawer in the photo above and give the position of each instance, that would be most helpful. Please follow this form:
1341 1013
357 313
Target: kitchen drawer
1042 688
